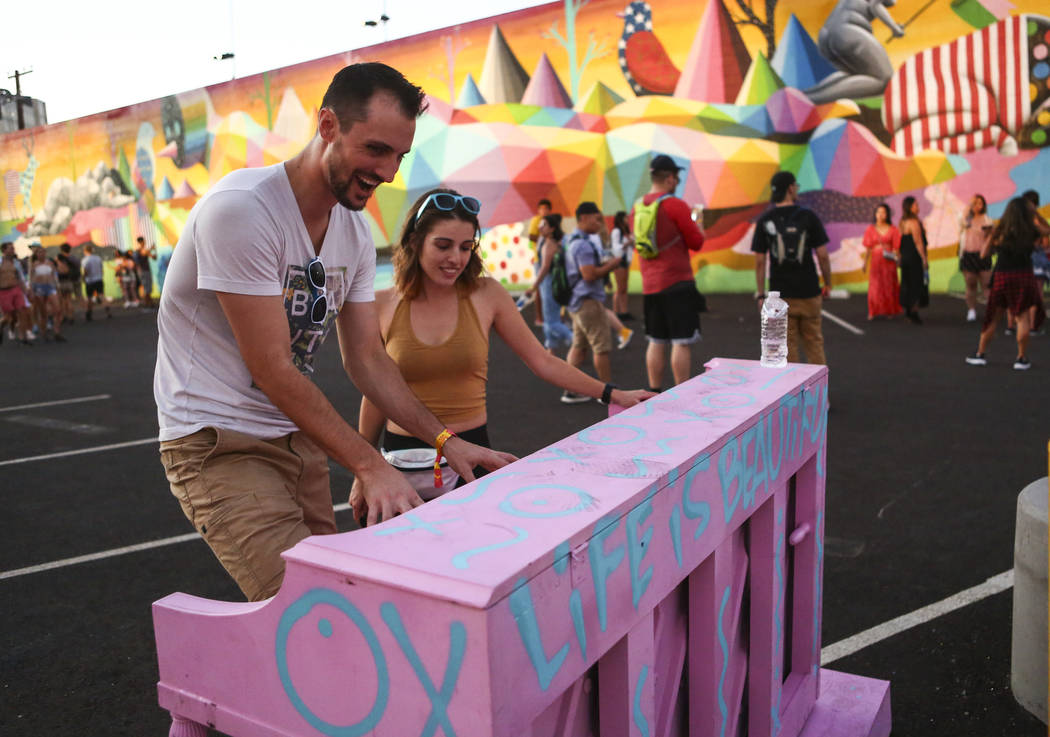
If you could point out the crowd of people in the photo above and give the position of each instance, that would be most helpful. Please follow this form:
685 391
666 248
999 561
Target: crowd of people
271 258
1011 283
41 293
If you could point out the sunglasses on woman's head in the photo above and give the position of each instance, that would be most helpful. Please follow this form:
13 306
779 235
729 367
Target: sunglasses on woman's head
319 308
446 202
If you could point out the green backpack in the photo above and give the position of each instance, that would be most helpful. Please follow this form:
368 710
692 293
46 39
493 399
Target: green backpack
645 227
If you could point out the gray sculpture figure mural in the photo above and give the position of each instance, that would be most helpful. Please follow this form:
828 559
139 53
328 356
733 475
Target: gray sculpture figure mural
848 41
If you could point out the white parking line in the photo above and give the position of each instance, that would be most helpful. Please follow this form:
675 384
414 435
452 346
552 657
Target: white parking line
95 449
114 552
839 321
75 400
861 640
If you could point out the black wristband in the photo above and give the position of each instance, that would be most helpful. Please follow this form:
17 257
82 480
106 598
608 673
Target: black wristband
607 393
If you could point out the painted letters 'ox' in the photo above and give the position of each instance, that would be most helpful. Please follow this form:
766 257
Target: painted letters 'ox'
658 573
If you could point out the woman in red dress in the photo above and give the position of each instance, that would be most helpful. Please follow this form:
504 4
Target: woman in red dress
882 244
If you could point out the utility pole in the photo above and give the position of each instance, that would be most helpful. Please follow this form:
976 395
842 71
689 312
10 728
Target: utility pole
17 76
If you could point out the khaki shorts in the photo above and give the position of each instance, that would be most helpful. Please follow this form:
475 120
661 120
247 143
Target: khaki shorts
590 327
251 499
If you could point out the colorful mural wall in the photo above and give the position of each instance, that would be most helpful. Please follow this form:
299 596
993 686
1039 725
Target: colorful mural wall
864 101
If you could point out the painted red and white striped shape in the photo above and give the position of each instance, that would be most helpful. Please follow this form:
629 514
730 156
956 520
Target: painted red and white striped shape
974 92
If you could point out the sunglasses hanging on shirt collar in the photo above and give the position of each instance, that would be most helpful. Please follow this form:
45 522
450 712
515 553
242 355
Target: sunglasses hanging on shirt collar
319 308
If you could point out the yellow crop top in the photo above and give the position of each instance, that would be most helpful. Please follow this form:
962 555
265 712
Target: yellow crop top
449 378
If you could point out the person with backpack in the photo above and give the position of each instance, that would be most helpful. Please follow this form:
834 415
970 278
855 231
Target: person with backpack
792 239
664 235
548 247
585 271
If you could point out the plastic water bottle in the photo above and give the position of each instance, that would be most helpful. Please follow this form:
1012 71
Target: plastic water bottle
774 331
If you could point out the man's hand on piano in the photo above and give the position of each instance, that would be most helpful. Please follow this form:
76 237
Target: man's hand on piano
381 493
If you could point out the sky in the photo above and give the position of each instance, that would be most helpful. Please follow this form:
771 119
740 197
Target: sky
90 57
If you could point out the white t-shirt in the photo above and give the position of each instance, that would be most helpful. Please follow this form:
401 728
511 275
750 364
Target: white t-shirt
247 236
92 267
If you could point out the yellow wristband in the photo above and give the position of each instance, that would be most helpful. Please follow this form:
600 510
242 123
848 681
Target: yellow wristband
439 444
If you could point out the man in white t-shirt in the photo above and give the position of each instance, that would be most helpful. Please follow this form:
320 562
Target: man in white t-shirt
269 260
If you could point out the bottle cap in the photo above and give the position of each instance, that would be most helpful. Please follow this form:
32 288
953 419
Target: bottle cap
774 294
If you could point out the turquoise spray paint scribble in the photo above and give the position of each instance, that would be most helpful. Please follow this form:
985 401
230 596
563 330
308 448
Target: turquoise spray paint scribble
507 505
585 435
417 523
561 455
521 607
728 400
459 560
779 375
778 614
650 405
603 564
295 612
576 610
482 486
694 509
561 557
439 699
637 547
722 643
675 523
725 377
639 718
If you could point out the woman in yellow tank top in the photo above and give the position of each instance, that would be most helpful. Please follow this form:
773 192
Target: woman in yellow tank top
436 322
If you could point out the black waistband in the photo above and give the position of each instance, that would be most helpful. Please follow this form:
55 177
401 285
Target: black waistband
396 441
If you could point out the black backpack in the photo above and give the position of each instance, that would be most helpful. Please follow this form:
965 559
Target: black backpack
561 289
786 237
561 284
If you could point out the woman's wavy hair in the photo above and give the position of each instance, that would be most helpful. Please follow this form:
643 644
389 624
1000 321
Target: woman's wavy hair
620 221
408 274
1015 228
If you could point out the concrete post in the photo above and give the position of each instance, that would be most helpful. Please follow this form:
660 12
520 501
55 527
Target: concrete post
1028 671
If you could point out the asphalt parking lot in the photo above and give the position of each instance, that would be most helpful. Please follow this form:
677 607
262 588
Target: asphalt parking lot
926 457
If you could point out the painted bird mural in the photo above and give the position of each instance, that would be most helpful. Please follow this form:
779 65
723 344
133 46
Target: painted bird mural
643 60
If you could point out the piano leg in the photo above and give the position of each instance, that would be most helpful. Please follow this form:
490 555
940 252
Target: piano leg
185 728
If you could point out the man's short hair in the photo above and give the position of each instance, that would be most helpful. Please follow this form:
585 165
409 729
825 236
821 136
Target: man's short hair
779 184
587 208
352 89
543 202
141 240
65 248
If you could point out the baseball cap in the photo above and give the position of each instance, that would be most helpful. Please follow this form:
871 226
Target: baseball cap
587 208
663 162
780 183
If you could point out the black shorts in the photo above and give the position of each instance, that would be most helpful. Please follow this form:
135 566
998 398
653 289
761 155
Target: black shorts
93 289
971 261
673 315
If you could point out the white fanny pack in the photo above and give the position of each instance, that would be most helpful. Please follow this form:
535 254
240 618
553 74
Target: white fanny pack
417 465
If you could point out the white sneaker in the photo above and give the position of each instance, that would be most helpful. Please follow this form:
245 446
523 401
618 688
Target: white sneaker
568 397
11 334
971 316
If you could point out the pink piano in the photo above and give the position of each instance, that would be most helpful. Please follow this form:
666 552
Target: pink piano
656 574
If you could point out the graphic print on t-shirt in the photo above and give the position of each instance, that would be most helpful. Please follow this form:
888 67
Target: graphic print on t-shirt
299 298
